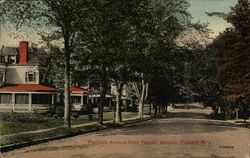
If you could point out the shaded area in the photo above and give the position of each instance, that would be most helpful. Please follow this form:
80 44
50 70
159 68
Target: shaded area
194 115
189 106
173 126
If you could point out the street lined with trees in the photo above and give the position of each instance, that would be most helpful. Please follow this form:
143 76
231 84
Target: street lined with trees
176 88
138 43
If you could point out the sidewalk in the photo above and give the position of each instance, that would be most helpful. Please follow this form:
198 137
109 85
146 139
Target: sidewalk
73 126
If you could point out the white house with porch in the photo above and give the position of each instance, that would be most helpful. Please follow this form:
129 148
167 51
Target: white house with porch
21 85
78 98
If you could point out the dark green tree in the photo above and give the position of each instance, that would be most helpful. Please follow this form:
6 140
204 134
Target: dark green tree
157 26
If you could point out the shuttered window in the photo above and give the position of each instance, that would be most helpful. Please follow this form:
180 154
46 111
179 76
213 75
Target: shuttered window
30 76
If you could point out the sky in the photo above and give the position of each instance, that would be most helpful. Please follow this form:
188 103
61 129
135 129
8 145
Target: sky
216 24
197 11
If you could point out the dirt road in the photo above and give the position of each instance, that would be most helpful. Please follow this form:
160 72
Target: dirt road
186 133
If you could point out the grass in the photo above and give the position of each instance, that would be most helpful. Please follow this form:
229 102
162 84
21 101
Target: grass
110 115
22 138
10 127
49 134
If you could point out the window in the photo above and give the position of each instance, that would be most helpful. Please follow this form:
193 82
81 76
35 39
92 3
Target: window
2 76
75 99
85 100
30 76
22 99
12 59
41 98
2 59
5 98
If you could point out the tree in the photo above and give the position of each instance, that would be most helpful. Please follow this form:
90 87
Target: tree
157 25
61 16
233 54
105 53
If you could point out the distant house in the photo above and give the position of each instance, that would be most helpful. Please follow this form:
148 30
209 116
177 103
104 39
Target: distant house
22 87
78 98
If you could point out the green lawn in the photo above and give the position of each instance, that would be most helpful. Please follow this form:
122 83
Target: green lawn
8 127
16 139
56 132
110 115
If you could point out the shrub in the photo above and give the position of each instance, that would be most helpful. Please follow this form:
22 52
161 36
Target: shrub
76 116
22 117
59 111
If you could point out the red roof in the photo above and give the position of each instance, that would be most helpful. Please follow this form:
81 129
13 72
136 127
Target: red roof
33 87
75 89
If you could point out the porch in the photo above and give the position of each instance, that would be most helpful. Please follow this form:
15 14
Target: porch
27 101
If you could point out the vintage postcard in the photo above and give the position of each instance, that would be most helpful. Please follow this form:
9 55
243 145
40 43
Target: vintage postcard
124 78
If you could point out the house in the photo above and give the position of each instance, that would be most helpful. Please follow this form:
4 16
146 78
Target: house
22 85
78 98
126 100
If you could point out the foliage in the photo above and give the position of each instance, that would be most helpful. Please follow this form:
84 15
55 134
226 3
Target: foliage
76 116
22 117
229 86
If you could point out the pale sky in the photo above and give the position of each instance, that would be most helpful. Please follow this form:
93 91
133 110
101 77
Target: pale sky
197 10
199 7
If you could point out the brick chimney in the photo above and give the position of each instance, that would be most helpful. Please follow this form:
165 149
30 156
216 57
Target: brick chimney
23 52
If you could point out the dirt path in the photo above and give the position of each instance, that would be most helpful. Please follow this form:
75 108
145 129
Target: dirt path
185 134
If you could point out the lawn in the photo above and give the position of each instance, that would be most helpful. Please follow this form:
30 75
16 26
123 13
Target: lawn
110 115
49 134
8 127
22 138
11 127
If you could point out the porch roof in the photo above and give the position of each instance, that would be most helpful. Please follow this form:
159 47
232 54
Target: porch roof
27 87
76 89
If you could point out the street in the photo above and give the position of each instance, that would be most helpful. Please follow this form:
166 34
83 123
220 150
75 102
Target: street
185 133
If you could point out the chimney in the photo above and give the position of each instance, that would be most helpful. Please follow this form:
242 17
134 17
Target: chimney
23 52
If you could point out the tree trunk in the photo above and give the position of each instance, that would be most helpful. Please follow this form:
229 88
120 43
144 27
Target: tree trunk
143 96
155 107
159 110
141 102
150 110
67 106
118 116
101 103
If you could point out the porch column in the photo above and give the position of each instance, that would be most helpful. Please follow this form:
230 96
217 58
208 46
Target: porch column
87 99
110 102
82 99
53 99
13 101
30 102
